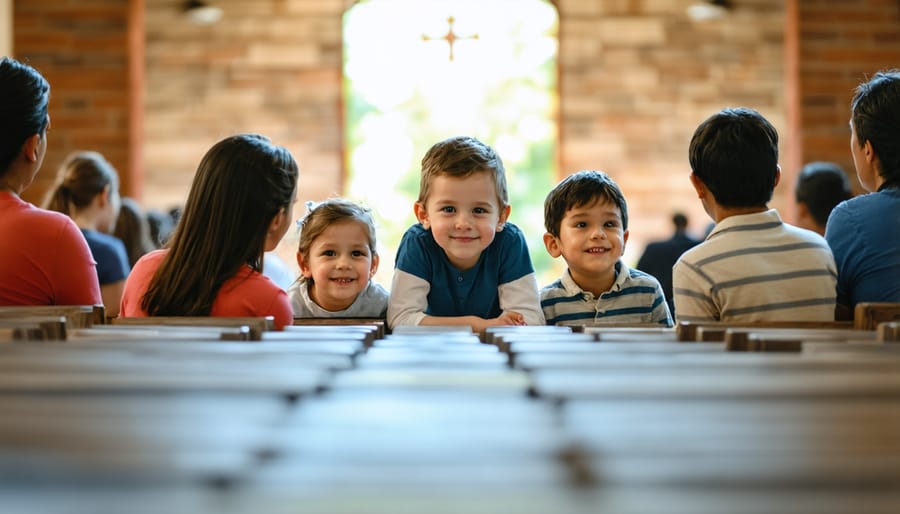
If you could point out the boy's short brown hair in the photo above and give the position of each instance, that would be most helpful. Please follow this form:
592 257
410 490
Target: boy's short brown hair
461 156
579 189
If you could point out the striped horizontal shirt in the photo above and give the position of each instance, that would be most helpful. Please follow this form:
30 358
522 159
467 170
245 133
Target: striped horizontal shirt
754 267
635 297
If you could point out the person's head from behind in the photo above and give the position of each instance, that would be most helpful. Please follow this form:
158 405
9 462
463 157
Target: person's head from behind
680 221
337 252
239 206
87 189
24 118
734 157
875 131
586 218
463 198
133 229
241 200
161 226
820 187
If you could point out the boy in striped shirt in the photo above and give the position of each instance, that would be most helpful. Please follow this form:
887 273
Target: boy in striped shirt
587 224
752 266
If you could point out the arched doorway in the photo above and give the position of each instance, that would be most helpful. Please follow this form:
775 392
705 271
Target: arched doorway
416 72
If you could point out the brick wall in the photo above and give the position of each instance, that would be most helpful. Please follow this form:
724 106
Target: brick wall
82 49
635 80
268 66
841 44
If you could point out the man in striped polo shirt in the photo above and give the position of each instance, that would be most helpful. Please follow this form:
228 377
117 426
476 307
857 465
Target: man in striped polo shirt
752 266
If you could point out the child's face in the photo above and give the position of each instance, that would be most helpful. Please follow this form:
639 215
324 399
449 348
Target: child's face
340 265
591 240
463 214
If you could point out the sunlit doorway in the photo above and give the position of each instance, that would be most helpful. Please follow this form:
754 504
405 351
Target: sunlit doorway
419 71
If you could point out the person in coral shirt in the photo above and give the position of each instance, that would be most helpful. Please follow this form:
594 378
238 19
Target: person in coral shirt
240 205
44 258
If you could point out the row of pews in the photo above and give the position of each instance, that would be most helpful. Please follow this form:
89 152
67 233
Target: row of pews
224 415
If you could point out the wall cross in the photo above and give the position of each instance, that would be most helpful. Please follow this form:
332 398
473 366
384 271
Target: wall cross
450 37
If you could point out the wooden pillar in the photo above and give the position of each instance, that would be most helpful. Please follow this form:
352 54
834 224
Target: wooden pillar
792 140
133 181
6 27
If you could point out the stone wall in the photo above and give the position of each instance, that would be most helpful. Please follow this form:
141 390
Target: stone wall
842 43
635 79
82 49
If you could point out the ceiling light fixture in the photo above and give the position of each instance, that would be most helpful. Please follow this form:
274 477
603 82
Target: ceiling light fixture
708 10
201 13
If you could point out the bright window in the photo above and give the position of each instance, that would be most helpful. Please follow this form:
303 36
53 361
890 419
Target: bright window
403 93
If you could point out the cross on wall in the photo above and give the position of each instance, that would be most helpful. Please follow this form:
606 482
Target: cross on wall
450 37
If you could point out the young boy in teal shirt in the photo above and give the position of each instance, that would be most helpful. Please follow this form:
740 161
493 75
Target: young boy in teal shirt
463 263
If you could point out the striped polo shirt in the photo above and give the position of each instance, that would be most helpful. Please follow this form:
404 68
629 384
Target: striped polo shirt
754 267
635 297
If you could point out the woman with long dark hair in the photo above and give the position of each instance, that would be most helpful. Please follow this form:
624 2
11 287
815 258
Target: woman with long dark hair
240 206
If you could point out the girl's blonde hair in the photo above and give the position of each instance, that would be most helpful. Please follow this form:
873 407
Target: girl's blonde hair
334 210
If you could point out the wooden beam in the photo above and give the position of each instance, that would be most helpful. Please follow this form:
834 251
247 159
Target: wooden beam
133 179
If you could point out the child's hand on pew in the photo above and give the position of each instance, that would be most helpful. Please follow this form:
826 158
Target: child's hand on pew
507 318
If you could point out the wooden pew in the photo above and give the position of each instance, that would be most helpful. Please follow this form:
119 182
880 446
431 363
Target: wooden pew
257 325
705 363
493 334
105 440
889 332
877 374
370 331
715 330
504 341
739 339
430 330
499 336
377 323
77 316
780 423
868 315
437 422
34 328
629 332
69 369
429 413
773 446
176 409
161 333
780 453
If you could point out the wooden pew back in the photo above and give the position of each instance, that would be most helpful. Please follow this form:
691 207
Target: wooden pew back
867 316
257 325
77 316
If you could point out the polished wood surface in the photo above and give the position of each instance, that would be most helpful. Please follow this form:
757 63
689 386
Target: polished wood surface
527 421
